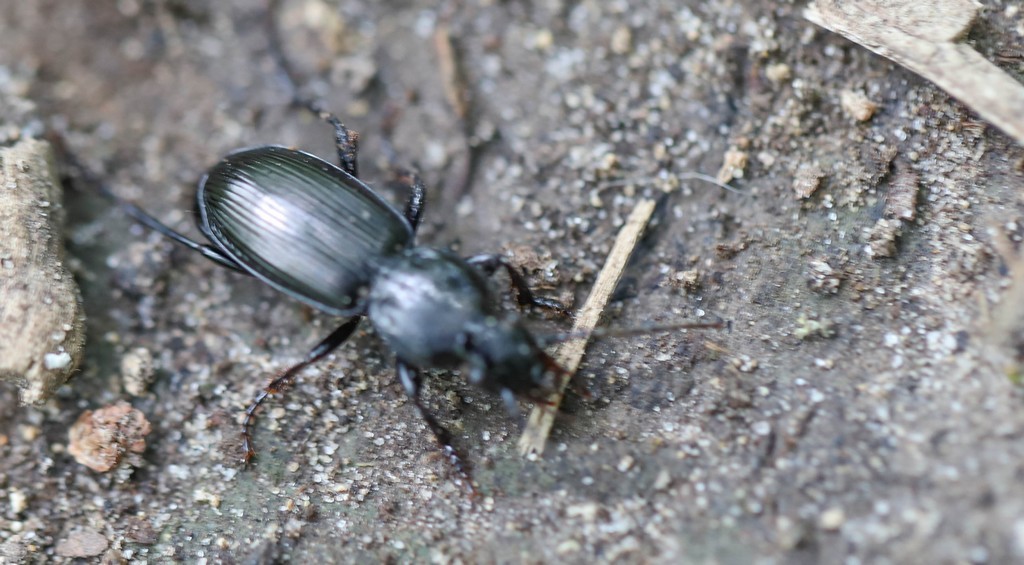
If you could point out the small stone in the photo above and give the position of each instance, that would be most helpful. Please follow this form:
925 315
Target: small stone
882 238
18 501
856 105
101 440
56 361
832 519
586 511
766 159
777 73
662 481
137 371
827 364
625 464
762 428
789 533
622 40
543 40
688 280
745 364
29 432
85 542
733 164
203 495
807 181
568 547
823 278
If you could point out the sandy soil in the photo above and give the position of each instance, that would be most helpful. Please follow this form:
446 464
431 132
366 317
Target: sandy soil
865 406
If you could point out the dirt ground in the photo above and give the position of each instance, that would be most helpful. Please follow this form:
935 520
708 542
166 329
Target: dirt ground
864 408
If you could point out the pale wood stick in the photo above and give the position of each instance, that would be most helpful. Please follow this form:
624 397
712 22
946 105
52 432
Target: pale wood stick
570 352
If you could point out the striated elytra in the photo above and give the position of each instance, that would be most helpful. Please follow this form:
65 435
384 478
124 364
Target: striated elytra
300 224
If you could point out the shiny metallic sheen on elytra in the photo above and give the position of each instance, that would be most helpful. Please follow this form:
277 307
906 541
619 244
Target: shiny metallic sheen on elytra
302 225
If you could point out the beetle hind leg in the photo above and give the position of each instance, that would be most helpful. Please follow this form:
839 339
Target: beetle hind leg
281 382
345 140
417 195
412 383
85 176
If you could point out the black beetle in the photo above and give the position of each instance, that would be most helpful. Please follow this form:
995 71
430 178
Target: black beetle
317 233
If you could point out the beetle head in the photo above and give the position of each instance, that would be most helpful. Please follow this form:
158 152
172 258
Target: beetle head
504 357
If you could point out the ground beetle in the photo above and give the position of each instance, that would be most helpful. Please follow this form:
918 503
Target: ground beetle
317 233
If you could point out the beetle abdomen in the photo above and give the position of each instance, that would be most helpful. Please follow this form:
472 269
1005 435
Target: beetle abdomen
299 223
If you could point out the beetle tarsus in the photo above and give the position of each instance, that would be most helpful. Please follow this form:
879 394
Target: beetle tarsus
249 451
247 445
346 141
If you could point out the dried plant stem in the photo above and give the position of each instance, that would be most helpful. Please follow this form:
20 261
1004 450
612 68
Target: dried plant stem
570 352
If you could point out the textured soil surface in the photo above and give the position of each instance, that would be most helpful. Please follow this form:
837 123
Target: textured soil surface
865 406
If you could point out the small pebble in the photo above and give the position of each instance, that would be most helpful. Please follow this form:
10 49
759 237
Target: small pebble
832 519
101 439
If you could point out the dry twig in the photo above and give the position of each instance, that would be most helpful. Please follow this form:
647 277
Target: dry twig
570 352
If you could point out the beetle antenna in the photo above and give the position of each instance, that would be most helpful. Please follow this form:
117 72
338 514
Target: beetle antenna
686 175
647 329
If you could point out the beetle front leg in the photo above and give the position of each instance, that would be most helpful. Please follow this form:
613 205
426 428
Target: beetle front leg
490 262
412 383
330 343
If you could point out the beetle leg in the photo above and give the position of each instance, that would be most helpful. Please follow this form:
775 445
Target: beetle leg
146 219
411 381
417 196
346 141
206 250
330 343
490 262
